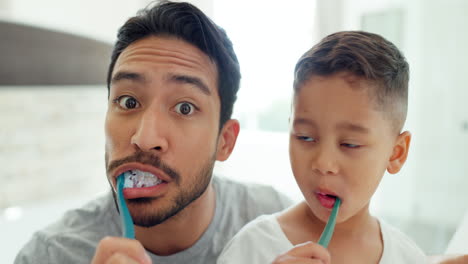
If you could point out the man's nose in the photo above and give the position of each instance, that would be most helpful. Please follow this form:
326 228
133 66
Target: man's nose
325 160
151 132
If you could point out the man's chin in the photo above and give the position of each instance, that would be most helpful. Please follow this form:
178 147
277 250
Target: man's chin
140 201
145 213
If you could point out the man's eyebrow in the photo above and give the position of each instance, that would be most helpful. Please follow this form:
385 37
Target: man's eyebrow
125 75
352 127
195 81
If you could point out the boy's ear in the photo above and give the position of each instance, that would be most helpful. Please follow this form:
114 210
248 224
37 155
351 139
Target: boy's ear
400 152
227 139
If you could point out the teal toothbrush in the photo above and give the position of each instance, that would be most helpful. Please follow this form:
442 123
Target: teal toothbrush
328 230
125 217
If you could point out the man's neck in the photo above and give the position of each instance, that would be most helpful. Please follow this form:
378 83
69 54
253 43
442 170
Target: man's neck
182 230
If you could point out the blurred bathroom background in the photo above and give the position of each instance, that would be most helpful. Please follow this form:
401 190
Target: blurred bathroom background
54 57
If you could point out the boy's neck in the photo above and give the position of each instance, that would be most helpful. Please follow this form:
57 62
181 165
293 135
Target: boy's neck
360 233
358 224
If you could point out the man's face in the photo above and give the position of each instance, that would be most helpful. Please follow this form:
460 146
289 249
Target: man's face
162 126
340 145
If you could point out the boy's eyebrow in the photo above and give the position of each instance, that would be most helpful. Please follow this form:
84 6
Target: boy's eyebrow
352 127
341 126
126 75
187 79
304 121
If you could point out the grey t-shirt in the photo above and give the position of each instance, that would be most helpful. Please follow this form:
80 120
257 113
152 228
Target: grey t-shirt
73 239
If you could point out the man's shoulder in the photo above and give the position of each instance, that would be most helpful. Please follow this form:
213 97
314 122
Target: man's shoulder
74 236
251 199
97 215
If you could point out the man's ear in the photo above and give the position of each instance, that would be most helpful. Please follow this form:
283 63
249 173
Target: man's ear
400 152
227 139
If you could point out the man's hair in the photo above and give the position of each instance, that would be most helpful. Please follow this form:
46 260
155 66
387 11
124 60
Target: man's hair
367 56
188 23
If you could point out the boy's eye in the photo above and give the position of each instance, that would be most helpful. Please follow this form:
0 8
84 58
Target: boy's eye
184 108
127 102
305 138
352 146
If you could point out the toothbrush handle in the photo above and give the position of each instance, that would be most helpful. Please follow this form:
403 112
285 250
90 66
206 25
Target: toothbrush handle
128 230
329 228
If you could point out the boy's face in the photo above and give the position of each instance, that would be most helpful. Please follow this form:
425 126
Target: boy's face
341 145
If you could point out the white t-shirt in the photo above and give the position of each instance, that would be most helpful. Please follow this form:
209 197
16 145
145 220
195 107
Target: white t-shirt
262 240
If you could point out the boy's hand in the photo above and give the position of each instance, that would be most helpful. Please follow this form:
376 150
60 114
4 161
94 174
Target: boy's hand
456 260
306 253
114 250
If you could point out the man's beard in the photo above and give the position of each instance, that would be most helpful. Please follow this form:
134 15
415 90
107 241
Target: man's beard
149 218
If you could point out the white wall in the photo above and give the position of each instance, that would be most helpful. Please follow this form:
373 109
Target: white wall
441 157
97 19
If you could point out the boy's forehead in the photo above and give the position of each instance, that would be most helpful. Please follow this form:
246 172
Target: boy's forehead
352 80
367 88
338 98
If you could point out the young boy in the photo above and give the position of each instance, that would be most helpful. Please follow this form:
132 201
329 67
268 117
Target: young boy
349 107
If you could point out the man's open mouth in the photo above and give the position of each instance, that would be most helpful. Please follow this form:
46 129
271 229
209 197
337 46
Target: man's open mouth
140 179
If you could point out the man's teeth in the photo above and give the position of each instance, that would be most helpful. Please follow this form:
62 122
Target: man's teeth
140 179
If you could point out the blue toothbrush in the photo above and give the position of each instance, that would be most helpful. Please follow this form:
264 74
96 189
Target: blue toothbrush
328 230
128 230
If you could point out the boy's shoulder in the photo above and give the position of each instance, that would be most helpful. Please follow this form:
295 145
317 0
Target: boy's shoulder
398 247
264 234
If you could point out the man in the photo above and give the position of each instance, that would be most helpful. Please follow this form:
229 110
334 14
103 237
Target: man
172 82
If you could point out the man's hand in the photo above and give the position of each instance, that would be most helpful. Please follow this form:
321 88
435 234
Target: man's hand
306 253
113 250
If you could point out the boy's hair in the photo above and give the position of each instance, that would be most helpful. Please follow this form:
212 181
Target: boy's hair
367 56
188 23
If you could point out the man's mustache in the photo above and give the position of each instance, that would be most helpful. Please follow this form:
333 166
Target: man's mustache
147 159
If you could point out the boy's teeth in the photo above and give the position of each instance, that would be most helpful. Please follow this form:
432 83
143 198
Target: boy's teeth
140 179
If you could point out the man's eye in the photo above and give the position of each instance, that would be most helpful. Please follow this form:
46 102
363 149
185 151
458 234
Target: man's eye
185 108
127 102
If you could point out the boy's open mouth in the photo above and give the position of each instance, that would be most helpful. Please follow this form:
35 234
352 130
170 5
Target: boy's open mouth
325 199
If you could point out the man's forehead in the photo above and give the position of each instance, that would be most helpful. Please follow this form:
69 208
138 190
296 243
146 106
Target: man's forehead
163 55
169 49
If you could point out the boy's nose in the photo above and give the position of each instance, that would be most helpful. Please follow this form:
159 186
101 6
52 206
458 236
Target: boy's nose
325 161
151 133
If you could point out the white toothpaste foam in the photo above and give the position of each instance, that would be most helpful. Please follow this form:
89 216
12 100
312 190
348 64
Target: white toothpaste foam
139 179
